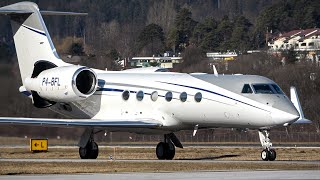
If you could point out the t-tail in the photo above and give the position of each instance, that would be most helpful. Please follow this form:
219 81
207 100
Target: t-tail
44 75
32 40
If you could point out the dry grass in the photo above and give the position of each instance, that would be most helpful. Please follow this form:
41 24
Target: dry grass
12 168
13 141
215 153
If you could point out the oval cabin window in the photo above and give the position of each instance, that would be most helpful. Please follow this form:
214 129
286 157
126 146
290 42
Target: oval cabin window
183 96
125 95
140 95
168 96
198 97
154 95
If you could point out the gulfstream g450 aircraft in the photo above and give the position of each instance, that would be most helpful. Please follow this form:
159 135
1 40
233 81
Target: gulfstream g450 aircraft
139 102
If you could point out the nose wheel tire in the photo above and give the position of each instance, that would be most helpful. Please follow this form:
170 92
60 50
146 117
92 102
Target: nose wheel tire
91 151
165 151
265 155
272 155
268 155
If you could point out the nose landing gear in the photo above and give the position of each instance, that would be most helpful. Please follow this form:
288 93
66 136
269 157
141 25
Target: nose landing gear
267 154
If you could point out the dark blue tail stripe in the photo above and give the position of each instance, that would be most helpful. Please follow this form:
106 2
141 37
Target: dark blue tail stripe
39 32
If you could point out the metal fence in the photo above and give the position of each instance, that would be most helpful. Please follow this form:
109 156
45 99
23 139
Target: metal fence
224 137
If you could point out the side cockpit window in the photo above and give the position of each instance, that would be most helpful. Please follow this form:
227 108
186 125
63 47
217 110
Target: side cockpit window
263 89
246 89
277 89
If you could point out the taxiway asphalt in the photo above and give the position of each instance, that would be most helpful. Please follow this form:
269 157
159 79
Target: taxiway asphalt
317 163
202 175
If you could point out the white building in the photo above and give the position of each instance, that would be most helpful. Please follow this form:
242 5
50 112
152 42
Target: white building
227 56
163 62
298 40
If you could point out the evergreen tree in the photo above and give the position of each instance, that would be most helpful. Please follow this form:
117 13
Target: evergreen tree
173 39
184 28
211 41
240 39
224 31
202 30
150 35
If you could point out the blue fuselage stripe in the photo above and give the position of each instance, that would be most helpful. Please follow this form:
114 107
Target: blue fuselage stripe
205 90
191 87
110 89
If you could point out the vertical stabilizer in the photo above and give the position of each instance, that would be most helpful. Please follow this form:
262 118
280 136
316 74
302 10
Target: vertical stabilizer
32 40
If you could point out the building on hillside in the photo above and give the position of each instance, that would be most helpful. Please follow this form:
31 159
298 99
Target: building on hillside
305 42
298 40
167 61
227 56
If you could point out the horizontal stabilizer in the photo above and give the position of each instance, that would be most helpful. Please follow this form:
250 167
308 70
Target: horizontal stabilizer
59 13
117 123
46 13
8 11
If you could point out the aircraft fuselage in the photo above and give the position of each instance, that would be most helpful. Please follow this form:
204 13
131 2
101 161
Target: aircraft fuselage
181 101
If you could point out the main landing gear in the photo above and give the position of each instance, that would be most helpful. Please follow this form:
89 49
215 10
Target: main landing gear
166 150
88 149
267 154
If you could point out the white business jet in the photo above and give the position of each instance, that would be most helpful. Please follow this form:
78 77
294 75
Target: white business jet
143 102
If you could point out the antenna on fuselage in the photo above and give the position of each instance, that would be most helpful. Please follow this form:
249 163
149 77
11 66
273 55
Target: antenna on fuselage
215 72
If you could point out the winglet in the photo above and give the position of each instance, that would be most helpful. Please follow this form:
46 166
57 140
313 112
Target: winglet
295 100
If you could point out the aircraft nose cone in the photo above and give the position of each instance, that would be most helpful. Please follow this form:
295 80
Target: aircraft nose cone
287 114
281 117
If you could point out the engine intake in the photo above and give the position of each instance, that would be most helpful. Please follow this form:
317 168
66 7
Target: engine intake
85 81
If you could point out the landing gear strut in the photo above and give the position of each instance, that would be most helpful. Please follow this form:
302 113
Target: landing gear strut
88 149
166 149
267 154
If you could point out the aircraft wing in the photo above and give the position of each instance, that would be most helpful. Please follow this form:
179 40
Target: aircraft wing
116 123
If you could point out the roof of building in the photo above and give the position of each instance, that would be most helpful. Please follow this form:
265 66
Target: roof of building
303 33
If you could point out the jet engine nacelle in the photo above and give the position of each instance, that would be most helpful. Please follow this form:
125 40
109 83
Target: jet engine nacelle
63 84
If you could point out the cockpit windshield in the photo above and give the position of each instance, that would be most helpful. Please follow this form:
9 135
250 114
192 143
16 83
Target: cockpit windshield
246 89
263 89
277 89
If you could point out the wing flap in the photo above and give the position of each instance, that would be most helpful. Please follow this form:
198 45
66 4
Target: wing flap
117 123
